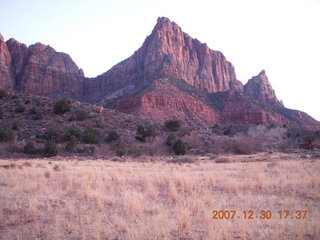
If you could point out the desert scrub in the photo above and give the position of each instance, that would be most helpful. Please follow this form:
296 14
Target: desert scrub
29 148
179 147
90 135
50 148
7 135
71 145
183 159
62 106
112 136
172 125
19 109
81 115
15 125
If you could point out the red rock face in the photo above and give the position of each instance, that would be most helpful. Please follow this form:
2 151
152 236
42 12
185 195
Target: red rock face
6 79
164 102
38 69
170 51
260 88
47 71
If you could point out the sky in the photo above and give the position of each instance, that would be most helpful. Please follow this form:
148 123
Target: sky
280 36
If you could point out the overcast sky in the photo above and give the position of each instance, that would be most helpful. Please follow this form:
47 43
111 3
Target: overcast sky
280 36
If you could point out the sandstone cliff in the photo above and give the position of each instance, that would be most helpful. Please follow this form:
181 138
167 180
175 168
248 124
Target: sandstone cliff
168 51
6 79
260 89
38 69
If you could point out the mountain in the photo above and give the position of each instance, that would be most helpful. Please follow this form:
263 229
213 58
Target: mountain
171 76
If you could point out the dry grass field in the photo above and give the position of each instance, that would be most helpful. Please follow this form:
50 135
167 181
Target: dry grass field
101 199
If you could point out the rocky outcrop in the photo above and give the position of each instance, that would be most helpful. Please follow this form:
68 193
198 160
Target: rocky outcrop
164 102
47 71
168 51
6 79
260 89
38 69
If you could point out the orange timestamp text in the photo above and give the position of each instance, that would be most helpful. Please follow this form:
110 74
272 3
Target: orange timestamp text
261 214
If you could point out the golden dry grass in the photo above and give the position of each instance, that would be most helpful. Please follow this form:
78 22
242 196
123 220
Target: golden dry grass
46 199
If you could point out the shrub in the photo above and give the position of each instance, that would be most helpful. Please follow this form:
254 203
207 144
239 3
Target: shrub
112 136
29 148
38 116
32 110
90 135
73 131
81 115
62 106
151 132
71 145
19 109
15 125
179 147
6 135
1 113
145 133
52 133
183 159
247 145
307 141
50 148
118 147
3 94
171 137
27 101
172 125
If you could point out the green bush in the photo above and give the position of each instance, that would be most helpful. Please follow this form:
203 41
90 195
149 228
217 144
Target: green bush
15 125
71 145
50 148
7 135
81 115
172 125
19 109
29 148
62 106
151 132
183 159
112 136
179 147
171 137
73 131
145 133
90 135
27 101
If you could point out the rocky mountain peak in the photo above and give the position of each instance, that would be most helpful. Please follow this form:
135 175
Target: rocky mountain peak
1 37
260 88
